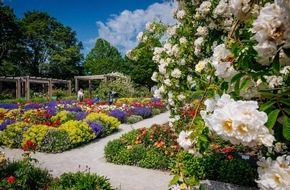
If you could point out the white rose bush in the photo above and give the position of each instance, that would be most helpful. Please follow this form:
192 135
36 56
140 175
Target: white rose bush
233 58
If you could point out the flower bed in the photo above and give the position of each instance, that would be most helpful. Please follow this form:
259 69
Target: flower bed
59 126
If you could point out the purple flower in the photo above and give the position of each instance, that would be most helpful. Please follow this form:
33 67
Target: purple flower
119 114
73 108
9 106
52 110
81 115
143 111
67 102
31 106
5 123
96 127
51 104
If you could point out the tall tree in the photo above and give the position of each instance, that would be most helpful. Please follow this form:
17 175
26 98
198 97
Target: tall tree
103 58
10 41
53 48
142 69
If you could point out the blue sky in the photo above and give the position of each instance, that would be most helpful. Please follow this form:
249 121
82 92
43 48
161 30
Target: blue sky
117 21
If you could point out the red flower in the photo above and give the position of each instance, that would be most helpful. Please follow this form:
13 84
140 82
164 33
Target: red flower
230 157
29 145
10 179
228 149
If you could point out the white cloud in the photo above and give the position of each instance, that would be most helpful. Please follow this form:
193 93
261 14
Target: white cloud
121 30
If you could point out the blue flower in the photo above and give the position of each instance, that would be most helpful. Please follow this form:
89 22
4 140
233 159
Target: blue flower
96 127
81 115
119 114
5 123
143 111
9 106
31 106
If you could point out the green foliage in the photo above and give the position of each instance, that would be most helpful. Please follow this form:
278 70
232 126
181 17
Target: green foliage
134 119
235 170
25 174
122 85
149 148
55 140
50 40
154 159
193 165
103 59
81 181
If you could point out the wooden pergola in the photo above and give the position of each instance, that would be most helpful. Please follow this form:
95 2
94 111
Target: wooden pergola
23 83
89 78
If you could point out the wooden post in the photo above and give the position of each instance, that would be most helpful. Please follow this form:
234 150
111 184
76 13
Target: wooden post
18 88
27 88
90 88
69 88
76 85
49 88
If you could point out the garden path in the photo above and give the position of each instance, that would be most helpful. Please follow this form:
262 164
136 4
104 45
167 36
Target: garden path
122 177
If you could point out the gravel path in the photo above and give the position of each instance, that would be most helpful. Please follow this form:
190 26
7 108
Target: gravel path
122 177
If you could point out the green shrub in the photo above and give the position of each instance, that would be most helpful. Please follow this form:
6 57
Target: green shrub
154 159
134 119
81 181
156 111
24 174
112 150
122 85
235 170
55 140
193 165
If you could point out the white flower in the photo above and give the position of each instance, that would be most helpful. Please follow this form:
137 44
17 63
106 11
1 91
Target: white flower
285 70
240 8
198 42
202 31
204 8
176 73
140 37
237 121
162 69
154 76
274 81
189 79
180 14
200 66
181 97
172 30
184 140
167 82
182 40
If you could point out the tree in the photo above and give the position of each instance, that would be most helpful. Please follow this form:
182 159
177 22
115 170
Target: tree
103 59
142 69
10 42
53 48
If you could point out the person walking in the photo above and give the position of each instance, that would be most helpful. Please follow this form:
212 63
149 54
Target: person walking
80 95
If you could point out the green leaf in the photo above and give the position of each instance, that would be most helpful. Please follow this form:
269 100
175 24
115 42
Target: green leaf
287 51
285 101
174 180
286 128
276 63
191 181
237 87
237 77
267 94
245 84
267 105
201 187
287 110
272 118
224 86
203 138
